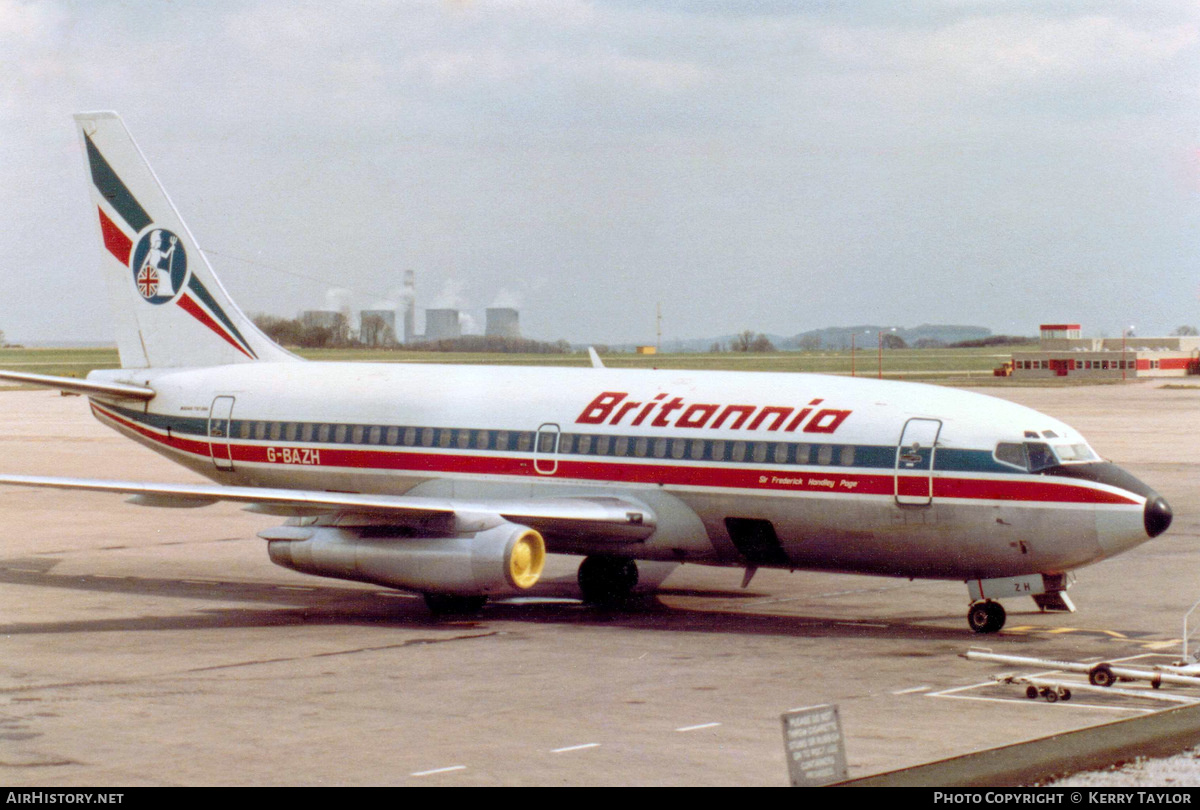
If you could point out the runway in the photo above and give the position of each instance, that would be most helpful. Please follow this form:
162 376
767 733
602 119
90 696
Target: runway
149 646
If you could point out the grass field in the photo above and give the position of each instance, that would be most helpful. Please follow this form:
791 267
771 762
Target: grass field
956 366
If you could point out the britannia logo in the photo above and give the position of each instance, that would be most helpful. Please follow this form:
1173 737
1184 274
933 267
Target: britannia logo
159 265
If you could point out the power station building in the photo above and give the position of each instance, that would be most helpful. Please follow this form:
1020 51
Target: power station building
377 327
502 322
442 324
1063 353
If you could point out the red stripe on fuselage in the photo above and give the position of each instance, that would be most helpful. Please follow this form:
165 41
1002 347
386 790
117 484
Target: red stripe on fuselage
197 312
115 240
419 462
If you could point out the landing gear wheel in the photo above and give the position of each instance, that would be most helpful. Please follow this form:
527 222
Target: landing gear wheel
448 604
607 581
986 617
1101 675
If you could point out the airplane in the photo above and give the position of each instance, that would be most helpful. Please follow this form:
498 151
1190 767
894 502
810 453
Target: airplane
456 481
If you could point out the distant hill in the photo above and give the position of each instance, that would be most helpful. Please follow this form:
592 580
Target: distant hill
838 337
831 337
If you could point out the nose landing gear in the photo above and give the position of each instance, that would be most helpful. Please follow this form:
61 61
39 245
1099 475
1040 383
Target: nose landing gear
986 616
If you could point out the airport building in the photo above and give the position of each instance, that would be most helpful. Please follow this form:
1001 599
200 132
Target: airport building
1063 353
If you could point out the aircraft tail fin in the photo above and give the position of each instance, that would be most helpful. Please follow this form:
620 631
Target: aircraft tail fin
170 308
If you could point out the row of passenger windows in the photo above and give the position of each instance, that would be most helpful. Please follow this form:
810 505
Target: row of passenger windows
584 444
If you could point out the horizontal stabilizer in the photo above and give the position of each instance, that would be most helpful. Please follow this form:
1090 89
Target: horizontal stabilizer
72 385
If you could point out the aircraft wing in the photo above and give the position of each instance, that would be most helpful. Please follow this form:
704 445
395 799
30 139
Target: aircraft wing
616 519
72 385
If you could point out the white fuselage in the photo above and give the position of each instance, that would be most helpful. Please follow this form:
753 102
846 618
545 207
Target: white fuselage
781 470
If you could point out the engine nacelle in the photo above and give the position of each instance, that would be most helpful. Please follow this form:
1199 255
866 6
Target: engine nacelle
504 559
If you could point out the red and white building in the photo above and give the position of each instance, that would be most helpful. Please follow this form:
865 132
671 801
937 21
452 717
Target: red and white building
1063 353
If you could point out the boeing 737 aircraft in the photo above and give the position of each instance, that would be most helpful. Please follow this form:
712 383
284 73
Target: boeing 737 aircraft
455 481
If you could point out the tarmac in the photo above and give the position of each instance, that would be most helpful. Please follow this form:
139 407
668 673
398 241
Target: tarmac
143 646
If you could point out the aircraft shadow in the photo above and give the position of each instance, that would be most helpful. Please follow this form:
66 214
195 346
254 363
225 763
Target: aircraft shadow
348 606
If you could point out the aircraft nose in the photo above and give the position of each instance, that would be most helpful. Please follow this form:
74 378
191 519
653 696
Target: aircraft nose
1157 515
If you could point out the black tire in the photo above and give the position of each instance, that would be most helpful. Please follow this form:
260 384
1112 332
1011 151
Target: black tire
1050 695
449 604
986 617
1101 675
1031 692
607 581
1064 694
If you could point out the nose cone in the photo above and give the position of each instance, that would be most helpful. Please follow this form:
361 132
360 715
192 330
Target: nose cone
1157 515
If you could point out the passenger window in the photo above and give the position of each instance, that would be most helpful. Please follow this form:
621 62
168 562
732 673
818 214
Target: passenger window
323 433
376 435
759 451
622 446
393 435
464 439
339 434
739 451
602 443
524 441
640 446
847 458
802 453
718 450
660 448
502 440
697 449
781 453
678 448
356 435
306 432
825 454
585 444
481 439
289 431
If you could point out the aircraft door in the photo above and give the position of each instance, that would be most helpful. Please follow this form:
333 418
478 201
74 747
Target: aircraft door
914 462
220 420
545 449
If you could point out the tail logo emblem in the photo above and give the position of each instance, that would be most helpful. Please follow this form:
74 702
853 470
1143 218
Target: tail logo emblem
159 265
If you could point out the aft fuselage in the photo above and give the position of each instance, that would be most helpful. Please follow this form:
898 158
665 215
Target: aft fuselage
773 470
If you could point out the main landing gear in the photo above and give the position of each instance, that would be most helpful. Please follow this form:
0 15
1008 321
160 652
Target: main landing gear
986 616
607 581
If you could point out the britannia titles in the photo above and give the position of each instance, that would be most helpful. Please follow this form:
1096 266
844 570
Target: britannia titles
611 407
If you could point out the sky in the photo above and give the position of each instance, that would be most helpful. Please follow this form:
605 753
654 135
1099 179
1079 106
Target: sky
773 166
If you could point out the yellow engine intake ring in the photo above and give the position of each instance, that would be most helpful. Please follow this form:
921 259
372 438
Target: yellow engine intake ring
526 559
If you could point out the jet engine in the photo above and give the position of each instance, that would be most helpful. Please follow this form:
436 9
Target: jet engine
503 559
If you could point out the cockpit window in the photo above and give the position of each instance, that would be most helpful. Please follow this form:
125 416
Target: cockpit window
1075 452
1040 456
1036 456
1012 453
